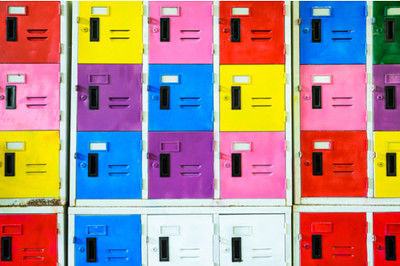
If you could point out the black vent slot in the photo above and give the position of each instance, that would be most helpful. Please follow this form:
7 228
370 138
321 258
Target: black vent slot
164 30
93 161
390 97
164 248
236 164
93 97
236 98
390 248
235 30
91 249
317 163
6 251
316 245
165 165
316 30
94 29
390 29
316 97
236 249
164 98
11 29
390 164
11 97
9 164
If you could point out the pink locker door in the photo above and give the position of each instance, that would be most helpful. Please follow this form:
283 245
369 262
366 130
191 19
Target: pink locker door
181 32
253 165
333 97
29 97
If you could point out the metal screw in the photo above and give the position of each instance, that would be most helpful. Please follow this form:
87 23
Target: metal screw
306 246
82 249
1 97
226 165
85 29
380 164
154 97
83 165
306 97
83 97
380 97
155 165
225 30
306 30
226 98
307 163
155 29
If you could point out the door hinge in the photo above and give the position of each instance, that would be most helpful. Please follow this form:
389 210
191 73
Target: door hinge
142 10
284 78
60 146
59 9
59 48
78 19
300 154
284 10
299 88
299 21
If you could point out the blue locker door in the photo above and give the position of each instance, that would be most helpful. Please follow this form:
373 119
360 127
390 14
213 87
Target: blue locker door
181 98
333 32
109 165
108 240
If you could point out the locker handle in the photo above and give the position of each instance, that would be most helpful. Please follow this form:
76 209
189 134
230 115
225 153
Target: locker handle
390 29
91 249
316 97
390 97
165 165
164 30
164 248
236 249
316 30
236 164
93 165
94 29
316 243
390 247
9 164
390 164
11 97
6 248
236 98
164 98
317 163
93 97
11 29
235 30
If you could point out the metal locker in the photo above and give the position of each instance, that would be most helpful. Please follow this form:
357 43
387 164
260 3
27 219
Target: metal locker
30 32
333 97
253 165
386 237
334 164
30 96
386 97
181 32
252 240
385 46
181 165
180 240
29 164
333 239
252 32
29 239
108 240
109 97
333 32
252 97
110 32
109 165
181 97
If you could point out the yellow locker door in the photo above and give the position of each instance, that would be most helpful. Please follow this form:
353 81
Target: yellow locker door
252 97
29 165
387 175
110 32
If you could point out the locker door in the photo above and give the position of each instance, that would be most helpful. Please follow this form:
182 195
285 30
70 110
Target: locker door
30 32
333 97
180 240
181 165
252 32
252 240
110 32
333 239
108 240
181 98
253 165
386 244
29 164
109 97
252 98
109 165
334 164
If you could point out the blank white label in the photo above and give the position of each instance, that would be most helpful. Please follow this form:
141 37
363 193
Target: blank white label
240 11
241 79
322 79
322 145
169 11
15 145
169 230
170 79
99 10
241 146
321 12
98 146
393 11
16 10
17 78
241 230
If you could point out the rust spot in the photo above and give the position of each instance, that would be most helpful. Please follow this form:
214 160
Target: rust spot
44 202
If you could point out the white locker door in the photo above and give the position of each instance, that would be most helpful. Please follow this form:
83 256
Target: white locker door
180 240
252 240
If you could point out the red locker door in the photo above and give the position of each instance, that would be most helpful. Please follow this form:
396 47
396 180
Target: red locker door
334 164
387 235
30 32
333 239
28 239
252 32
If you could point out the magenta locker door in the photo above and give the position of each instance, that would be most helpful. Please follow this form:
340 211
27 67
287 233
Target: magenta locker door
253 165
181 165
30 96
109 97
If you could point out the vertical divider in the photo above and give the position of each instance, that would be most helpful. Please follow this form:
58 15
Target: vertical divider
217 190
145 105
370 238
370 116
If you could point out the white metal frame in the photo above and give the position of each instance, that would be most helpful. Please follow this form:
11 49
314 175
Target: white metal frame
144 212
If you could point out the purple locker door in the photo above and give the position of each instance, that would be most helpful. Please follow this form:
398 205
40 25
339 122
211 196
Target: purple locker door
181 165
109 97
